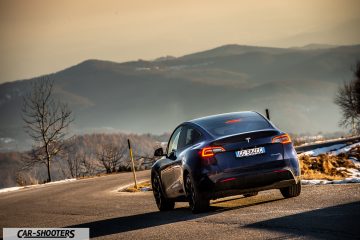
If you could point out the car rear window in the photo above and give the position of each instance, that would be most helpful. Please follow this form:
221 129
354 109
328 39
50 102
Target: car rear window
233 123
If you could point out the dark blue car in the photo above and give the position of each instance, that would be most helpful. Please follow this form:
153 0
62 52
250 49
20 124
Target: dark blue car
223 155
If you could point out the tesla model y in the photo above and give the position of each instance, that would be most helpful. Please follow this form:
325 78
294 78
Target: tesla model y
223 155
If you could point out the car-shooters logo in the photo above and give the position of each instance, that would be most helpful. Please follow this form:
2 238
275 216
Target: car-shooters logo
46 233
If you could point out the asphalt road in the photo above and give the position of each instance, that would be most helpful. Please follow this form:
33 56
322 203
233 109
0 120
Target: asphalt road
320 212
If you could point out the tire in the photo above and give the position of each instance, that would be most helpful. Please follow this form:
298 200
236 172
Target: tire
292 191
198 202
163 203
251 194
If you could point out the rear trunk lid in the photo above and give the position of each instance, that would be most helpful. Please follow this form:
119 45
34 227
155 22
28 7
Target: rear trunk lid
268 155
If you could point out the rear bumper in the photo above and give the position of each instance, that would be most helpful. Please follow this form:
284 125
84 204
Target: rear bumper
224 184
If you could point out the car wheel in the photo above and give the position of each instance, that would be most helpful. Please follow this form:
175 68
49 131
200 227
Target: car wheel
251 194
197 201
163 203
292 191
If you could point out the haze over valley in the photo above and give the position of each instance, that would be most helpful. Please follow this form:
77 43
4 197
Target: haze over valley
298 85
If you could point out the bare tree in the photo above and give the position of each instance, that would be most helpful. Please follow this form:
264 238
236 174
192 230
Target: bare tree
348 99
357 86
74 164
88 167
73 158
46 121
111 156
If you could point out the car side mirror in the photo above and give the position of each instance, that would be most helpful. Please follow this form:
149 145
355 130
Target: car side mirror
159 152
172 155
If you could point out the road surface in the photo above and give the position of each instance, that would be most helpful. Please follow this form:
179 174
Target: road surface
320 212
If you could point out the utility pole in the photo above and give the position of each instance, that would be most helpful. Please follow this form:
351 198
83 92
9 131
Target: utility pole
133 165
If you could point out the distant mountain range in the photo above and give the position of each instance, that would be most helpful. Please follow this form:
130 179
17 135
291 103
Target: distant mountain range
298 85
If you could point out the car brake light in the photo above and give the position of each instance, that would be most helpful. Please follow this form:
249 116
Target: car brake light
210 151
284 139
232 121
228 179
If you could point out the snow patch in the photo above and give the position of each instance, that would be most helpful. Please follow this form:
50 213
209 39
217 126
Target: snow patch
321 182
354 178
315 182
323 150
344 149
145 189
142 69
11 189
353 172
60 181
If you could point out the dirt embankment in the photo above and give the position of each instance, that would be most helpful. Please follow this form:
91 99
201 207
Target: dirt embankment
330 167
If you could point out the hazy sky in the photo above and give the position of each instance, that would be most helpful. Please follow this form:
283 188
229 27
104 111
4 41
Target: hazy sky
42 36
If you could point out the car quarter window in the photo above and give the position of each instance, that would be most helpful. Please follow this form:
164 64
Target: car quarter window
173 143
192 136
188 137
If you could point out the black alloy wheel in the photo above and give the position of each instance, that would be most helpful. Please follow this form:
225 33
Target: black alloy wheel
197 202
292 191
162 202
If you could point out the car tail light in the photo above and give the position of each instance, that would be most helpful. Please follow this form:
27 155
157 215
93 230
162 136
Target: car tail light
211 151
284 139
207 154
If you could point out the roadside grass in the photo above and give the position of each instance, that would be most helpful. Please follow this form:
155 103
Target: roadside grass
141 187
98 175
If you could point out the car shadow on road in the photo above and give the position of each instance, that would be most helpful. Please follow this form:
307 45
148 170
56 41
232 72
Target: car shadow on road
151 219
336 222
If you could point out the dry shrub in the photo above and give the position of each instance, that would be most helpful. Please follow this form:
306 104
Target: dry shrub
25 178
132 188
326 166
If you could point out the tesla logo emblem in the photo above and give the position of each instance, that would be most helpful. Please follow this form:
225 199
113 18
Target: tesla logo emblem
248 139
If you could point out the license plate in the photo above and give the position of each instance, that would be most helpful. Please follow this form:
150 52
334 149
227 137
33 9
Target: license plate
250 152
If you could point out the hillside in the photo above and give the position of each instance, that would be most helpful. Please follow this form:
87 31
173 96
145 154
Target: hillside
297 85
83 151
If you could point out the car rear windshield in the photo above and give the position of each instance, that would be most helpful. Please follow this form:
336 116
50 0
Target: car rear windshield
233 123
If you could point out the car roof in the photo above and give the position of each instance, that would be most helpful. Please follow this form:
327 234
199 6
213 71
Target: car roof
199 121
